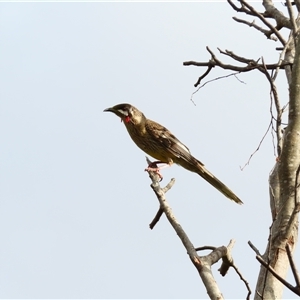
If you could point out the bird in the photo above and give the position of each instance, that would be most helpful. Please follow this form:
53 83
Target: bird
158 142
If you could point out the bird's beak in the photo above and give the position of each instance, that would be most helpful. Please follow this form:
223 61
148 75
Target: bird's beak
109 109
115 111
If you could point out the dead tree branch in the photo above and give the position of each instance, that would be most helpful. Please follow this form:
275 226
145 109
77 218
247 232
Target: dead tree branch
267 33
217 78
242 9
273 272
275 99
295 289
258 147
270 12
227 263
293 266
156 218
202 263
251 64
160 210
263 19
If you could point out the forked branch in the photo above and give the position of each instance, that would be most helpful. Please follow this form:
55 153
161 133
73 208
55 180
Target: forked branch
250 64
295 289
202 263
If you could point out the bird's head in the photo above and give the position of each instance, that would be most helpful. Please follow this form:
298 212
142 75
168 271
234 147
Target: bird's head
128 113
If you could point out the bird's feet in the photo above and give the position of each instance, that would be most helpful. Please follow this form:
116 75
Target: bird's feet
154 168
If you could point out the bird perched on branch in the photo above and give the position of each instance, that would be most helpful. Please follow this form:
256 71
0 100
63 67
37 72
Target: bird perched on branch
158 142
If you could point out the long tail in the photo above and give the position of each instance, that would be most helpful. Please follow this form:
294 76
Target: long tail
220 186
193 164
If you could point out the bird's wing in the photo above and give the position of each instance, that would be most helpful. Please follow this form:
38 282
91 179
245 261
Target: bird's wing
169 141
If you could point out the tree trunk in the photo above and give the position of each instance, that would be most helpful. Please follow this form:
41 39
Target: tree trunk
283 195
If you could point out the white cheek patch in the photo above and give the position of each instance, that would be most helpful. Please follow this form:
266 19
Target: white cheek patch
123 112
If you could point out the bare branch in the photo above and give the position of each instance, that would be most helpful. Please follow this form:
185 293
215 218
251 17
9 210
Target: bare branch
164 190
203 248
227 263
281 57
258 147
217 78
274 13
243 279
227 259
296 289
168 212
283 281
278 109
251 64
202 264
243 9
239 58
264 20
254 248
169 185
156 218
204 75
293 265
267 33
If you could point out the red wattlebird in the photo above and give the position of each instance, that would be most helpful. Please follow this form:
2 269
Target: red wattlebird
158 142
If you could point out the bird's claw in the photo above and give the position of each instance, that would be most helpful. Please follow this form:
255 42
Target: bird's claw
155 170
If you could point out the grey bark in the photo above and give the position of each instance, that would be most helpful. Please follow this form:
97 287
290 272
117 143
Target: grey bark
283 192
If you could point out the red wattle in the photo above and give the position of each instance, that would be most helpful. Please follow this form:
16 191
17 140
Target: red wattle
127 119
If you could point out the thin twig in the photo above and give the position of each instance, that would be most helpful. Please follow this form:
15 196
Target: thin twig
217 78
169 185
275 98
244 280
258 147
203 248
204 75
239 58
156 218
267 33
293 265
251 64
241 9
283 281
254 248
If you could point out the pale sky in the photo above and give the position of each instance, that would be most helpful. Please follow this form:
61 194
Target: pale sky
75 202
